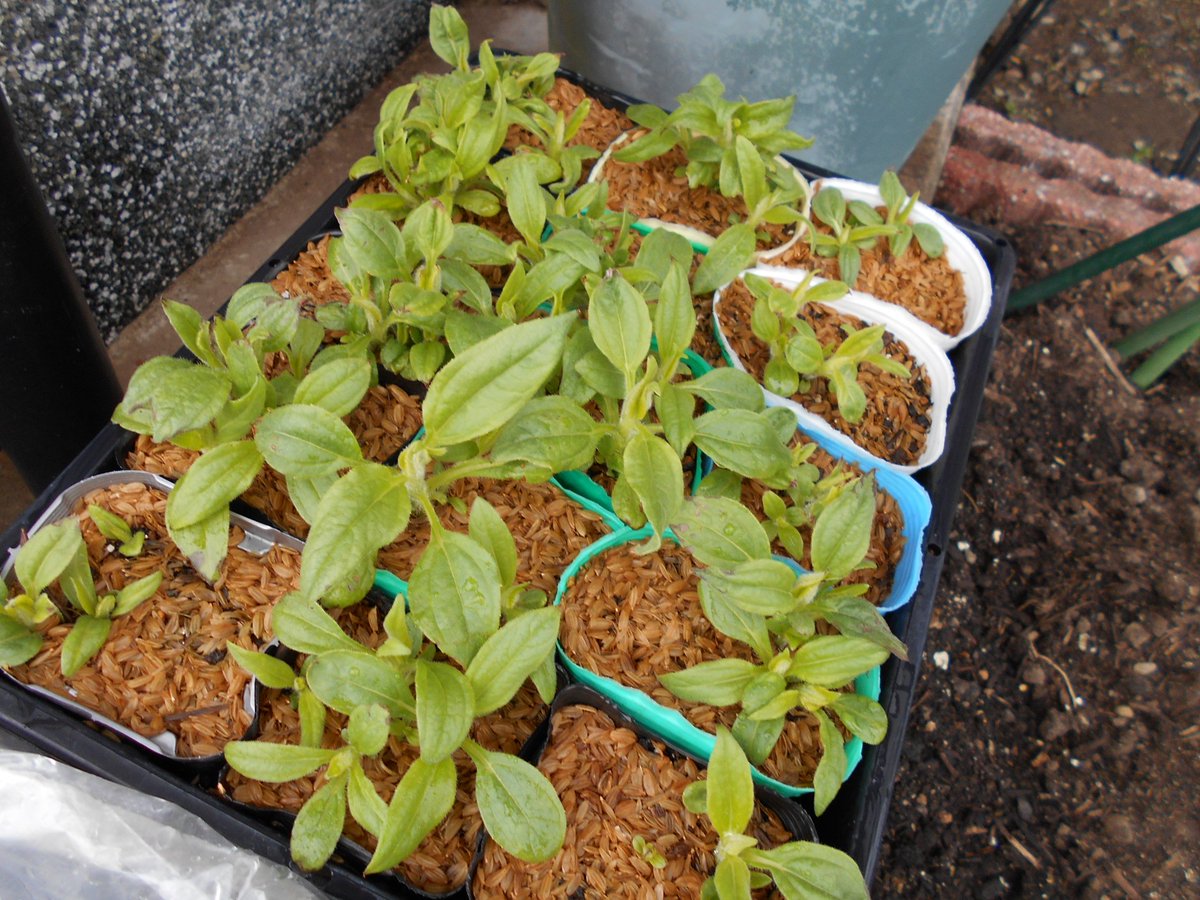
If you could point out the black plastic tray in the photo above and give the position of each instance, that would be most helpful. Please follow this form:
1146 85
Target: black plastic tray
855 822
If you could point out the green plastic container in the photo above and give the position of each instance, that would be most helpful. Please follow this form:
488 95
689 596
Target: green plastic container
669 723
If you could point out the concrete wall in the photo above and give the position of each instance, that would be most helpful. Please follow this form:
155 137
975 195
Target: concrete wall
151 125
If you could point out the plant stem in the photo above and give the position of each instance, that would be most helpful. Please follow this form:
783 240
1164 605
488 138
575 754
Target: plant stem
1159 330
1165 356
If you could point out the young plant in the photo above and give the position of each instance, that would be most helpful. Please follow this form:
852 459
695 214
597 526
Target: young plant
848 236
775 608
898 209
797 355
799 869
57 553
128 542
463 599
648 417
731 146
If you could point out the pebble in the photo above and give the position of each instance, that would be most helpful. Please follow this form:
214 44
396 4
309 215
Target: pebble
1136 634
1134 494
1120 828
1033 674
1124 711
1145 668
1172 585
1056 724
941 659
1024 809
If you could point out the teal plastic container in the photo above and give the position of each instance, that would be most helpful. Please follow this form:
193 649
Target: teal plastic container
669 723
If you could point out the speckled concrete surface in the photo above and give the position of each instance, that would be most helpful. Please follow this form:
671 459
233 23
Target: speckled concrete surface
151 125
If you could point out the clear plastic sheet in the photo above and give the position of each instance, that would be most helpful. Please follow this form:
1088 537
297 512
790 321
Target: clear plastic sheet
64 833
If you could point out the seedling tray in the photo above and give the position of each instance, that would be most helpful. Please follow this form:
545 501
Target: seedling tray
856 820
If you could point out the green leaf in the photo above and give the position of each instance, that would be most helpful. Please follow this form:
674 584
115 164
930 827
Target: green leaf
479 391
454 594
306 493
720 532
832 767
731 253
891 191
428 227
675 409
167 397
730 619
448 37
863 716
346 679
361 513
307 442
510 656
526 200
519 807
654 473
423 798
426 358
620 324
829 206
18 643
806 871
205 543
849 262
695 797
732 879
826 292
275 763
600 375
834 660
730 788
300 623
312 718
464 330
727 388
213 480
319 825
368 728
674 315
488 530
551 432
856 617
366 806
272 672
47 554
743 441
757 738
804 353
930 239
337 387
136 593
842 534
373 242
719 682
445 709
110 524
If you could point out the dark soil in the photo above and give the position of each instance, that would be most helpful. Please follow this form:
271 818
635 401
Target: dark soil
1054 746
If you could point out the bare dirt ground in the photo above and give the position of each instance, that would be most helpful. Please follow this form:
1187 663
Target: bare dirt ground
1054 748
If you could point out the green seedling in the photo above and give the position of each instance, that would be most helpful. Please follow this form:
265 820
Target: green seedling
57 554
129 542
799 869
731 146
797 355
775 610
495 634
898 209
847 238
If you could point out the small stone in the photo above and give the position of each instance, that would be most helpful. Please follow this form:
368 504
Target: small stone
1120 829
1033 674
965 691
1056 724
1134 494
1124 32
1145 668
1136 634
1093 74
945 818
1172 585
941 659
1124 711
1024 809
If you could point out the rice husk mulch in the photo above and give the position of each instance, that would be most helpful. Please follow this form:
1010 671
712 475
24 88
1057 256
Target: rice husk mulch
164 666
887 531
897 420
385 421
309 278
928 288
614 787
549 529
440 862
632 618
600 127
